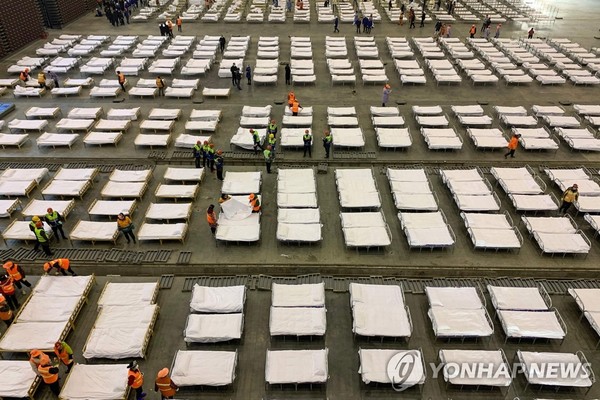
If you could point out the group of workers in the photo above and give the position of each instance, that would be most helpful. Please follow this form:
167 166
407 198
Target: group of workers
162 383
204 154
13 278
55 220
211 215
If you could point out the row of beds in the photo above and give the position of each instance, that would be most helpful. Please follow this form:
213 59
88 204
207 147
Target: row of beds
525 313
123 328
202 59
120 192
484 59
101 129
425 225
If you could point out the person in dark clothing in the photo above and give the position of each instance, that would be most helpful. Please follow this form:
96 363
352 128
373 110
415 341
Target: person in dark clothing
222 43
249 74
365 24
307 140
422 19
336 23
234 75
357 22
288 74
219 163
238 78
197 153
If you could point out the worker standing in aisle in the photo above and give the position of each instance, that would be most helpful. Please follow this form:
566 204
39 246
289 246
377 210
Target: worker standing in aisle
6 314
179 23
160 85
35 359
42 238
61 264
49 373
121 79
135 379
268 154
7 288
307 140
165 385
219 163
255 140
15 271
211 157
197 153
34 220
512 145
205 148
327 141
569 196
211 218
272 128
55 220
65 354
125 225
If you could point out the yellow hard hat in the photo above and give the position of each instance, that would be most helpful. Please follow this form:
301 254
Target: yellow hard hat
271 136
35 218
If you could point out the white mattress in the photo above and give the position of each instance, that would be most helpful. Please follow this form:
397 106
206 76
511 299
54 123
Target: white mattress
184 174
150 231
130 176
204 368
546 376
123 189
157 125
531 324
212 328
541 202
99 382
498 375
297 321
40 112
517 298
8 206
377 318
299 232
16 378
162 211
307 295
374 366
120 332
85 113
112 125
296 366
111 207
455 322
562 243
465 298
176 191
123 113
128 294
43 308
549 224
32 335
27 124
66 188
40 207
241 182
229 299
62 286
587 299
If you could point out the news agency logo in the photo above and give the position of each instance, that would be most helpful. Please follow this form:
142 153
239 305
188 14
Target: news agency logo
400 368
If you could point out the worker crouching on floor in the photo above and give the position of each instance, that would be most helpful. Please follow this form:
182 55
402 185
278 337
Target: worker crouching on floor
165 385
6 314
62 265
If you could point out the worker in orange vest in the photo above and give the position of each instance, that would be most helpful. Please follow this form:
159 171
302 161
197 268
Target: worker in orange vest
291 98
24 75
179 22
472 31
135 379
6 313
121 78
15 271
49 374
35 359
65 354
254 202
295 107
61 264
7 288
512 145
211 218
164 383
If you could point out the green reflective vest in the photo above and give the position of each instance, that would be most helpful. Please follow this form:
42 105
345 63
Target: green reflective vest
40 234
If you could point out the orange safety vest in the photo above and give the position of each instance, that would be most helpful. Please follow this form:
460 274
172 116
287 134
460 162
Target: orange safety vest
514 142
63 356
121 78
255 204
291 98
179 21
138 379
211 218
164 385
23 76
8 287
5 315
62 263
13 271
48 376
295 106
472 30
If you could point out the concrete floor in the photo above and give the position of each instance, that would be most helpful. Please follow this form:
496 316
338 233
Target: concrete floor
331 256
